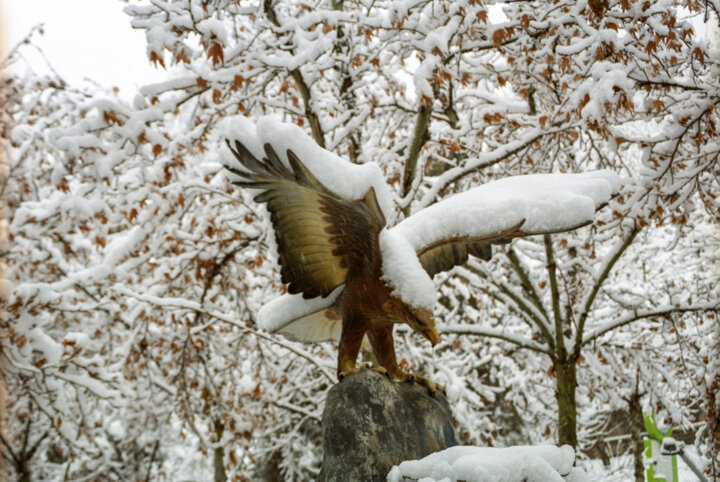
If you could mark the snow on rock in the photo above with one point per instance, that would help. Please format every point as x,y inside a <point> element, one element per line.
<point>544,463</point>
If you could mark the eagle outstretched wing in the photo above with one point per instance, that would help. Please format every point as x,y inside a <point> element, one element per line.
<point>450,252</point>
<point>448,232</point>
<point>321,237</point>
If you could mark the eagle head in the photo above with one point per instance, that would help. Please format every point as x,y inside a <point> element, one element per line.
<point>418,319</point>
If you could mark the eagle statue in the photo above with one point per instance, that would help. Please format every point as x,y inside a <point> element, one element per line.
<point>351,275</point>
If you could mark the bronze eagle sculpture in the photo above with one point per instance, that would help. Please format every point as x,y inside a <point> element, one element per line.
<point>338,253</point>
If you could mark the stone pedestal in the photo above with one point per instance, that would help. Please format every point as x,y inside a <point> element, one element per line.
<point>371,423</point>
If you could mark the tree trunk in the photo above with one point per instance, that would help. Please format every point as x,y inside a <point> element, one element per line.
<point>219,455</point>
<point>566,378</point>
<point>24,472</point>
<point>636,429</point>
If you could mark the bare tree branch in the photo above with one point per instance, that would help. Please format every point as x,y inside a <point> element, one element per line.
<point>604,273</point>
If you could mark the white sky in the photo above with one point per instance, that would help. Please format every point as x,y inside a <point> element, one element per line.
<point>83,39</point>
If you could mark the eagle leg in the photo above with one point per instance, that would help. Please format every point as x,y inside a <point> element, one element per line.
<point>350,342</point>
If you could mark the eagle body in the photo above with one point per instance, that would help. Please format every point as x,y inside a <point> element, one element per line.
<point>354,277</point>
<point>361,309</point>
<point>325,241</point>
<point>367,307</point>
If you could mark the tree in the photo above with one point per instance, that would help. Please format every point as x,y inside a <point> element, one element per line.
<point>137,239</point>
<point>99,357</point>
<point>582,119</point>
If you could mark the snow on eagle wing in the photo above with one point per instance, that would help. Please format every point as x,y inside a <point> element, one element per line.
<point>447,233</point>
<point>321,238</point>
<point>448,253</point>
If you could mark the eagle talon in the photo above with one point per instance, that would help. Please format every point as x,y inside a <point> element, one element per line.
<point>347,371</point>
<point>373,367</point>
<point>402,376</point>
<point>431,386</point>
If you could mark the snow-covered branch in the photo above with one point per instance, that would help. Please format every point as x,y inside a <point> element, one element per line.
<point>527,285</point>
<point>230,320</point>
<point>484,160</point>
<point>636,315</point>
<point>514,298</point>
<point>501,334</point>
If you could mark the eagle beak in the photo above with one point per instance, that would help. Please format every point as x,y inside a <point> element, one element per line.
<point>425,326</point>
<point>432,335</point>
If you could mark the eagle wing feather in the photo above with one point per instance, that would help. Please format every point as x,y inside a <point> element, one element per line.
<point>321,237</point>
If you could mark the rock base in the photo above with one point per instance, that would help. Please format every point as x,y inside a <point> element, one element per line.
<point>371,423</point>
